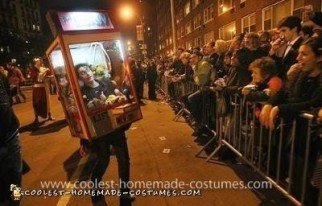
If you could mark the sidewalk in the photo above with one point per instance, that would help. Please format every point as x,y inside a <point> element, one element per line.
<point>52,155</point>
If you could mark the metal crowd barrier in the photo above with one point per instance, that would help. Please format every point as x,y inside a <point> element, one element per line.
<point>282,156</point>
<point>183,89</point>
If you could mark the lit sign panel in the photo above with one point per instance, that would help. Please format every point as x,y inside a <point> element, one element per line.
<point>74,21</point>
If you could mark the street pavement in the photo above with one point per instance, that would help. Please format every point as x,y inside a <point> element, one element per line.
<point>160,149</point>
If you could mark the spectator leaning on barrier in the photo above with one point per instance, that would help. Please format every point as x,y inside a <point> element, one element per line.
<point>307,92</point>
<point>252,47</point>
<point>265,81</point>
<point>306,95</point>
<point>221,48</point>
<point>202,70</point>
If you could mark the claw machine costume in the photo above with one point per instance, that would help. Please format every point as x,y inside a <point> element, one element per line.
<point>88,63</point>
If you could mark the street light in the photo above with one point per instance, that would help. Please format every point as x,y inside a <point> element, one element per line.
<point>127,13</point>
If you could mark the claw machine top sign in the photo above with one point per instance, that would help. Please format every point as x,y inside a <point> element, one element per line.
<point>91,73</point>
<point>72,21</point>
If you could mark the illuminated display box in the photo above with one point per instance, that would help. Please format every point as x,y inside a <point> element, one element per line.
<point>91,73</point>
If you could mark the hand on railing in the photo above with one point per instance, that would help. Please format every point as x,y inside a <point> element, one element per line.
<point>272,117</point>
<point>265,114</point>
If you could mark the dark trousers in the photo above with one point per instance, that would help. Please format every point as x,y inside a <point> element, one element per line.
<point>202,106</point>
<point>171,90</point>
<point>139,87</point>
<point>10,169</point>
<point>152,88</point>
<point>101,147</point>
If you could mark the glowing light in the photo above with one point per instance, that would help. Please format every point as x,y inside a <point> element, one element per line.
<point>127,13</point>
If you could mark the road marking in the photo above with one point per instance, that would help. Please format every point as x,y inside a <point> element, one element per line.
<point>63,200</point>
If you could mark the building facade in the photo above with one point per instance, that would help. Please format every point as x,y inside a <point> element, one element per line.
<point>20,23</point>
<point>200,21</point>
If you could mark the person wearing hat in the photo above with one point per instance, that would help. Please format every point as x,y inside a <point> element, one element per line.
<point>40,91</point>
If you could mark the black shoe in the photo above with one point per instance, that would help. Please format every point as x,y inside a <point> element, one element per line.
<point>126,200</point>
<point>25,167</point>
<point>98,200</point>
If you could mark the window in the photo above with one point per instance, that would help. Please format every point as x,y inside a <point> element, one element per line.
<point>273,14</point>
<point>188,27</point>
<point>178,33</point>
<point>208,37</point>
<point>208,13</point>
<point>188,45</point>
<point>187,8</point>
<point>224,6</point>
<point>249,23</point>
<point>195,3</point>
<point>179,16</point>
<point>197,21</point>
<point>228,31</point>
<point>298,8</point>
<point>242,3</point>
<point>182,31</point>
<point>198,42</point>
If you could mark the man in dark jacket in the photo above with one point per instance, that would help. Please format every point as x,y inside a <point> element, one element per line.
<point>289,28</point>
<point>10,154</point>
<point>151,75</point>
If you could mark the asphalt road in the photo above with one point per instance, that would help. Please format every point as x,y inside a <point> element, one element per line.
<point>53,155</point>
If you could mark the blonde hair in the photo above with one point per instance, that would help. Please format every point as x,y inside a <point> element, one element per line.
<point>185,55</point>
<point>221,46</point>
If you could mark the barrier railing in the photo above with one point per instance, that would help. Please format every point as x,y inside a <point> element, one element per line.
<point>273,152</point>
<point>284,156</point>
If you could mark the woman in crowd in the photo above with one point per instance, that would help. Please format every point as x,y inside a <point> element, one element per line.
<point>221,47</point>
<point>265,81</point>
<point>306,94</point>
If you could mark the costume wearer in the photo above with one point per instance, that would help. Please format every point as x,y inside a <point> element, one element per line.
<point>101,145</point>
<point>40,92</point>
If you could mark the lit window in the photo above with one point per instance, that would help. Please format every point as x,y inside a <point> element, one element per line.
<point>198,42</point>
<point>228,31</point>
<point>33,27</point>
<point>274,13</point>
<point>188,45</point>
<point>188,27</point>
<point>208,37</point>
<point>208,13</point>
<point>195,3</point>
<point>187,8</point>
<point>224,6</point>
<point>197,21</point>
<point>249,23</point>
